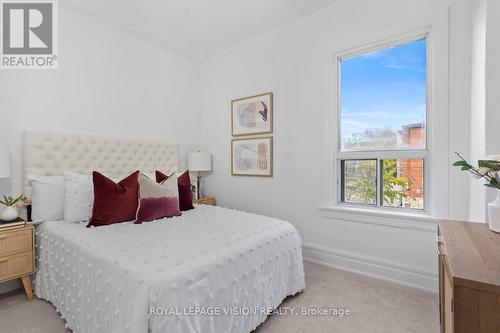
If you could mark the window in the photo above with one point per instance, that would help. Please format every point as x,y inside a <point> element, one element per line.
<point>382,117</point>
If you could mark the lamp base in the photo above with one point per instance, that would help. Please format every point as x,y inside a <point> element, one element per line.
<point>198,192</point>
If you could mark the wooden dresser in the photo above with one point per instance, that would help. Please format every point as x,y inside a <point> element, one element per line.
<point>17,255</point>
<point>469,278</point>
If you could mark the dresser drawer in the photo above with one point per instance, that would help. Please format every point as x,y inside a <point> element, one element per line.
<point>16,265</point>
<point>16,241</point>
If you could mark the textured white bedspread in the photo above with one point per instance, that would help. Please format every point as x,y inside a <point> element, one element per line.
<point>211,259</point>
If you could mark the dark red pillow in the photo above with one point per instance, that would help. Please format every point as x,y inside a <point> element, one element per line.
<point>184,184</point>
<point>114,203</point>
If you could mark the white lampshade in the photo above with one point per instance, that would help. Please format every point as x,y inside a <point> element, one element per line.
<point>4,160</point>
<point>200,161</point>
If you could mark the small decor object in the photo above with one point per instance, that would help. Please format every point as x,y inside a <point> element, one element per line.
<point>19,222</point>
<point>487,169</point>
<point>199,162</point>
<point>252,157</point>
<point>10,212</point>
<point>252,115</point>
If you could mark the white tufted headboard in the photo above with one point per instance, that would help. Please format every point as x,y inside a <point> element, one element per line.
<point>50,154</point>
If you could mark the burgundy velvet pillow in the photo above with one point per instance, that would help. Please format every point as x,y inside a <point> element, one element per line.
<point>114,203</point>
<point>184,184</point>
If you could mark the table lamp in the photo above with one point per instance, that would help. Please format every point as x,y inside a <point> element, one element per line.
<point>199,162</point>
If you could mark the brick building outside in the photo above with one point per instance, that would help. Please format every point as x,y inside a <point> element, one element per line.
<point>413,137</point>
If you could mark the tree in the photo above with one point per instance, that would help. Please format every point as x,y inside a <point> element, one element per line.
<point>396,189</point>
<point>360,182</point>
<point>379,138</point>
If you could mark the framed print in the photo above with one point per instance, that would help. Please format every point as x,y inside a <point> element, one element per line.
<point>252,115</point>
<point>252,157</point>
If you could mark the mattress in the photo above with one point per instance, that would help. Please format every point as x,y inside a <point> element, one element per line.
<point>210,270</point>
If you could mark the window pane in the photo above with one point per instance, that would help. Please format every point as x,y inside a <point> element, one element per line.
<point>383,99</point>
<point>359,181</point>
<point>403,183</point>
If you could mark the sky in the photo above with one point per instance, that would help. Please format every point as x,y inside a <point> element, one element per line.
<point>385,88</point>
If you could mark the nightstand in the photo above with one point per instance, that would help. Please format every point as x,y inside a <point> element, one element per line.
<point>205,201</point>
<point>17,255</point>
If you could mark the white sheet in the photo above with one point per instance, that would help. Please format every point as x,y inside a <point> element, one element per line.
<point>106,279</point>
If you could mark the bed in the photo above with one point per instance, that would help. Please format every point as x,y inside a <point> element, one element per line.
<point>212,269</point>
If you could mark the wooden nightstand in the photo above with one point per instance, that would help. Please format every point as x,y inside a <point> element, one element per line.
<point>205,201</point>
<point>17,255</point>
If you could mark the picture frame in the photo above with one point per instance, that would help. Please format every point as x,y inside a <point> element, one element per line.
<point>252,115</point>
<point>252,156</point>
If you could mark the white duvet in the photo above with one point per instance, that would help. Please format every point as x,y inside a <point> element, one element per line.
<point>210,270</point>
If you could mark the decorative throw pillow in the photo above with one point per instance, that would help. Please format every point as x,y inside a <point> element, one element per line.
<point>157,201</point>
<point>184,184</point>
<point>114,202</point>
<point>78,197</point>
<point>47,197</point>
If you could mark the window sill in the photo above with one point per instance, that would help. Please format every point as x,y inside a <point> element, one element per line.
<point>401,220</point>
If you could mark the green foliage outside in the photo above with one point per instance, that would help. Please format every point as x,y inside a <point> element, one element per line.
<point>372,138</point>
<point>395,188</point>
<point>361,186</point>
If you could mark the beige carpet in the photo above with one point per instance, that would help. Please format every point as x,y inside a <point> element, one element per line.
<point>375,306</point>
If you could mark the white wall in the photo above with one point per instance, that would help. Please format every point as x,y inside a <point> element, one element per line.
<point>459,102</point>
<point>492,104</point>
<point>109,82</point>
<point>493,78</point>
<point>296,63</point>
<point>485,99</point>
<point>477,202</point>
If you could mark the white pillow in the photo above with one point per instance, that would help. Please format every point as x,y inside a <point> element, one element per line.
<point>78,197</point>
<point>149,175</point>
<point>47,198</point>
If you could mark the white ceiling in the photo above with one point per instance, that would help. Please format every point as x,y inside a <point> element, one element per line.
<point>199,28</point>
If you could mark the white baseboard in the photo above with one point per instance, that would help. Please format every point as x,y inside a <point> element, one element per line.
<point>374,267</point>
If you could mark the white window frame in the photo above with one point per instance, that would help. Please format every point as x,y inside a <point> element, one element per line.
<point>378,155</point>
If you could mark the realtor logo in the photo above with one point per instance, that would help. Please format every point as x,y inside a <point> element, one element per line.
<point>28,34</point>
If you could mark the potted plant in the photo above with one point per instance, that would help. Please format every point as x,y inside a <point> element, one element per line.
<point>488,170</point>
<point>10,213</point>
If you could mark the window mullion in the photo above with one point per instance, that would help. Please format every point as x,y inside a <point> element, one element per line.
<point>380,180</point>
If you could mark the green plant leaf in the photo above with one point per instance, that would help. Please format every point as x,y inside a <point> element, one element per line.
<point>460,163</point>
<point>16,200</point>
<point>466,167</point>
